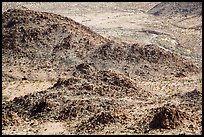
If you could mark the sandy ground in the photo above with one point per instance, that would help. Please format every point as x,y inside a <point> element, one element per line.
<point>21,88</point>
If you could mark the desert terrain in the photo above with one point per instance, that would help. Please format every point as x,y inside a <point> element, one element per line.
<point>101,68</point>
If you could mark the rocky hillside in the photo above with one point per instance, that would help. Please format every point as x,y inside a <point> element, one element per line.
<point>177,8</point>
<point>37,43</point>
<point>96,88</point>
<point>44,41</point>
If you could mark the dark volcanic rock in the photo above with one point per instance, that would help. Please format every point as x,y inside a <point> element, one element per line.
<point>96,122</point>
<point>168,117</point>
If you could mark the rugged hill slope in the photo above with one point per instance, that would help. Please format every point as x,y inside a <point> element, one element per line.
<point>96,80</point>
<point>177,8</point>
<point>36,39</point>
<point>45,42</point>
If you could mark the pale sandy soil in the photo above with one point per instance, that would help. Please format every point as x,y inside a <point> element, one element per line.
<point>21,88</point>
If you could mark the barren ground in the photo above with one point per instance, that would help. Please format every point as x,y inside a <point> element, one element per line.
<point>122,22</point>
